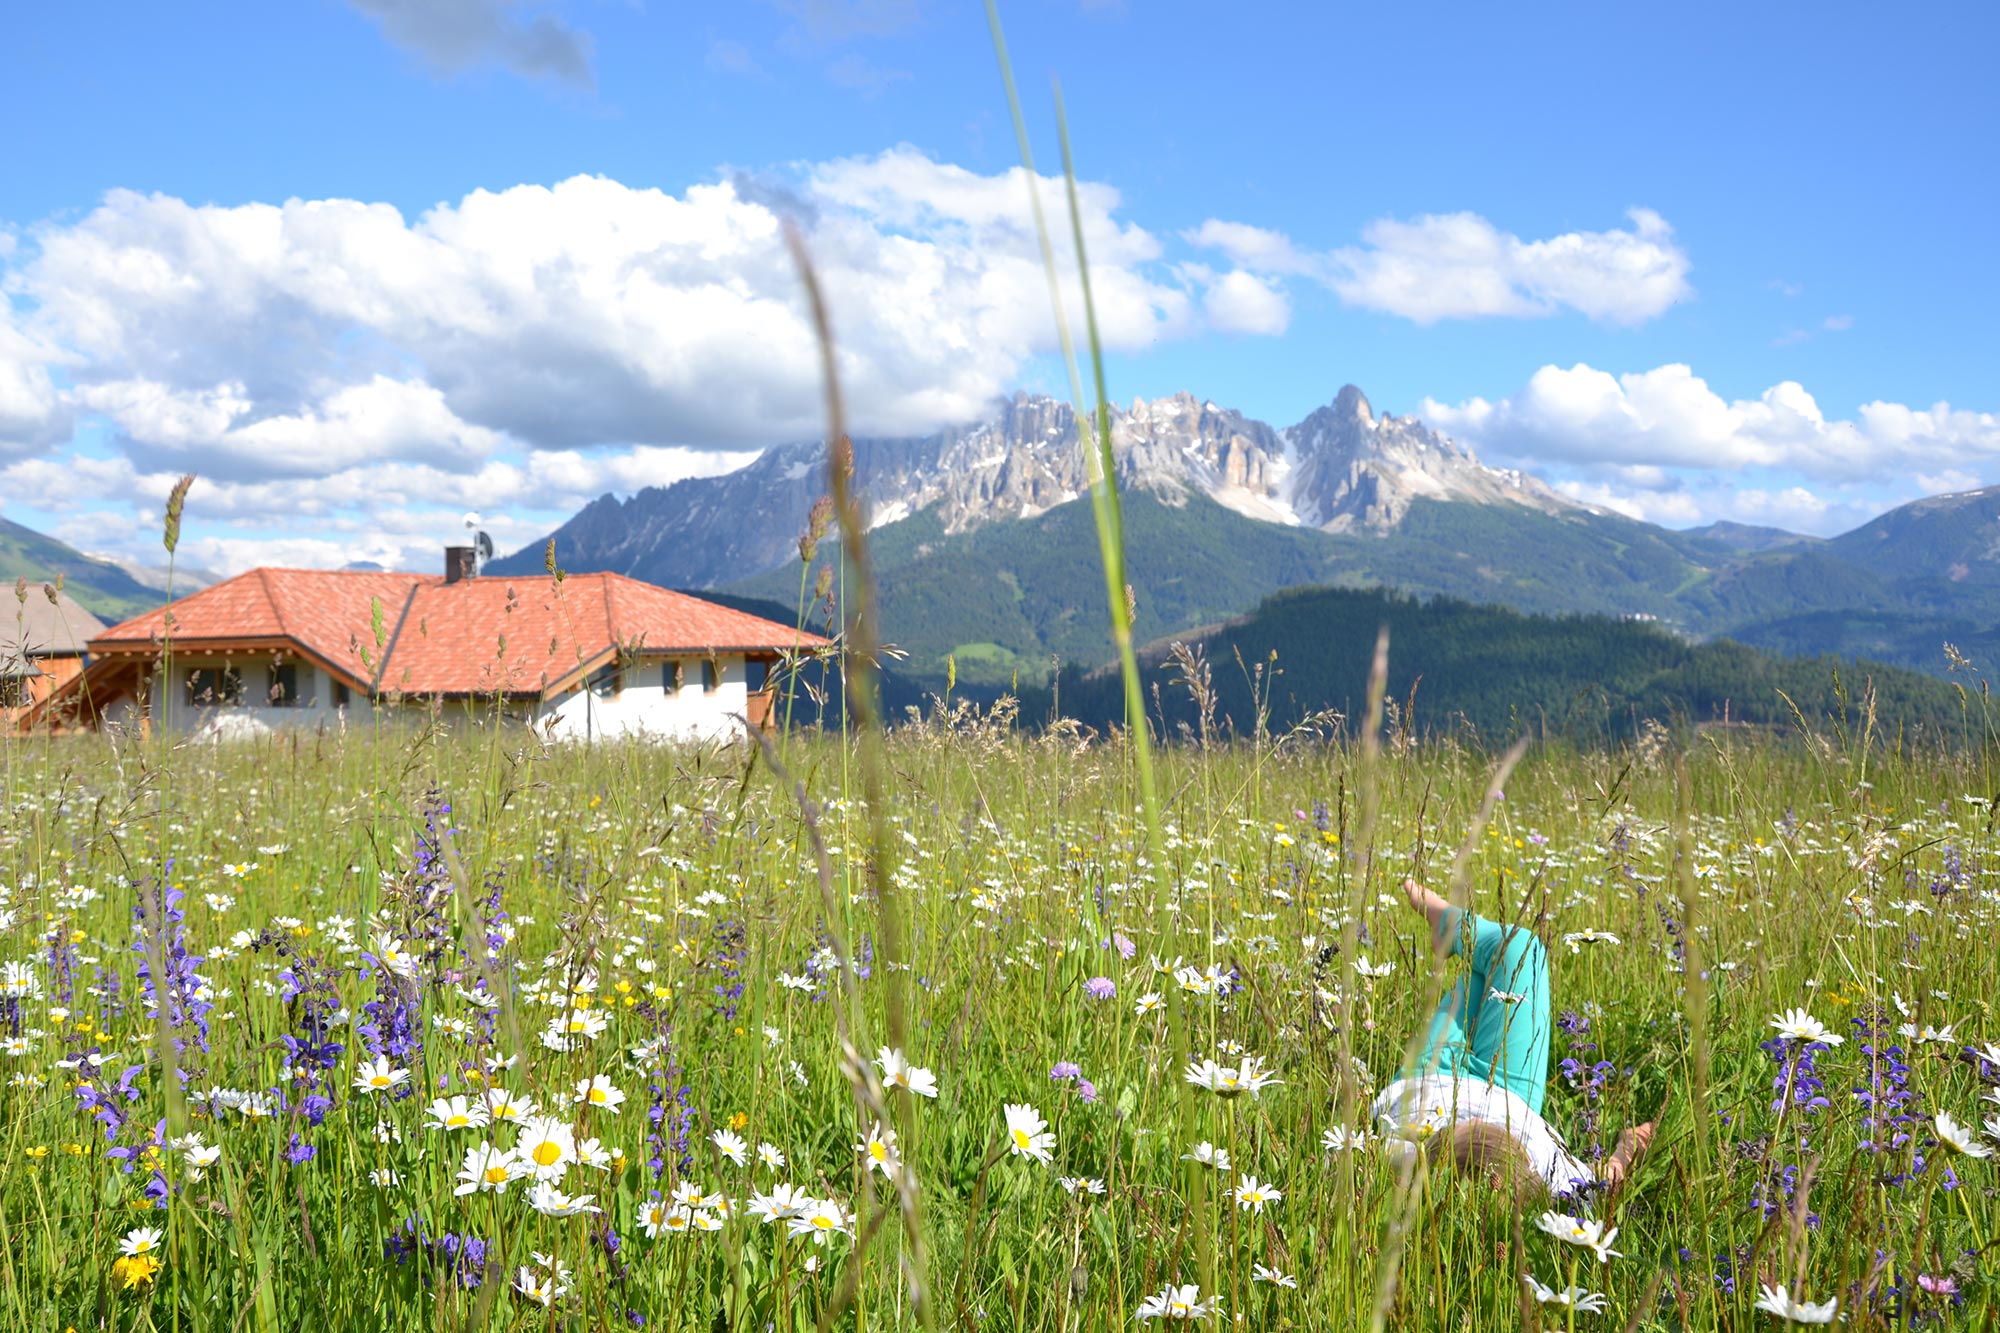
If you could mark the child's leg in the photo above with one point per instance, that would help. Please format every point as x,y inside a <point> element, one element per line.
<point>1445,1046</point>
<point>1505,1041</point>
<point>1510,1023</point>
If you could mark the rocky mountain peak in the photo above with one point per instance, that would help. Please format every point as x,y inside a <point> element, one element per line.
<point>1355,471</point>
<point>1352,405</point>
<point>1343,468</point>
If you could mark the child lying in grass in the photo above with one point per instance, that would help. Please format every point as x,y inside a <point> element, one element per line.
<point>1484,1072</point>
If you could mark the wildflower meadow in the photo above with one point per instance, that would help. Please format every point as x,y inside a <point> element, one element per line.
<point>444,1028</point>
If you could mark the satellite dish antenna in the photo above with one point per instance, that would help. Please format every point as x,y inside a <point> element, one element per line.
<point>482,545</point>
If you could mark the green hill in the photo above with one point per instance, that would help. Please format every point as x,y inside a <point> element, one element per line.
<point>1007,597</point>
<point>1503,673</point>
<point>100,586</point>
<point>1539,562</point>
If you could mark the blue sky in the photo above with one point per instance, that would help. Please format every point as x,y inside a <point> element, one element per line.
<point>1726,261</point>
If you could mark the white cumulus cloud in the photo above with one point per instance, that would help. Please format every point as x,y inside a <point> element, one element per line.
<point>33,414</point>
<point>378,419</point>
<point>1670,417</point>
<point>258,338</point>
<point>1242,302</point>
<point>1257,248</point>
<point>1461,266</point>
<point>1702,499</point>
<point>395,513</point>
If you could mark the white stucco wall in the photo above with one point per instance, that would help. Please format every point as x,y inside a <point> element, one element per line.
<point>646,706</point>
<point>254,716</point>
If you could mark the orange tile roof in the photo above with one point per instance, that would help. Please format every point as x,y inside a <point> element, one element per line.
<point>476,636</point>
<point>324,614</point>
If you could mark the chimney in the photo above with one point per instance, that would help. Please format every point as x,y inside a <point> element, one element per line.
<point>459,563</point>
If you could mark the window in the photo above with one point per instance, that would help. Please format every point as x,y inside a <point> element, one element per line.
<point>672,676</point>
<point>340,695</point>
<point>710,677</point>
<point>756,674</point>
<point>607,683</point>
<point>284,685</point>
<point>210,686</point>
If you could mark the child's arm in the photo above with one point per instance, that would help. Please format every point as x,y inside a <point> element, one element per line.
<point>1431,907</point>
<point>1632,1145</point>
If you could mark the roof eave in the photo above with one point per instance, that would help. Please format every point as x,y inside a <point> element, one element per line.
<point>128,648</point>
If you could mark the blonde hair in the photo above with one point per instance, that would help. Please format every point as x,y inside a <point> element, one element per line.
<point>1485,1152</point>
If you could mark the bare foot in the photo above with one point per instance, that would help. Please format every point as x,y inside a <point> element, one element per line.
<point>1640,1138</point>
<point>1632,1145</point>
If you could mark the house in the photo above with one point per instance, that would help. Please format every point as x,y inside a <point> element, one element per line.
<point>590,655</point>
<point>41,647</point>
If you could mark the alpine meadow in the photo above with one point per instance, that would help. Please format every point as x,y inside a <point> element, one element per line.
<point>430,1029</point>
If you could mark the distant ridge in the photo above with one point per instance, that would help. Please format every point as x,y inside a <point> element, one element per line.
<point>1748,537</point>
<point>108,590</point>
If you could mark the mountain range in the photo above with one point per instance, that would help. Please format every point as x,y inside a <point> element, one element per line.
<point>111,590</point>
<point>985,551</point>
<point>1341,470</point>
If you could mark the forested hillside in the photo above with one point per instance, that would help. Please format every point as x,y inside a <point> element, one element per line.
<point>1503,673</point>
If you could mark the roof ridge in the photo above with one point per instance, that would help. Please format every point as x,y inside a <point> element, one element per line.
<point>277,610</point>
<point>388,649</point>
<point>613,622</point>
<point>326,573</point>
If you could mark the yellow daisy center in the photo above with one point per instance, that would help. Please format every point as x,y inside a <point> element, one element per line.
<point>457,1121</point>
<point>546,1153</point>
<point>1022,1141</point>
<point>495,1174</point>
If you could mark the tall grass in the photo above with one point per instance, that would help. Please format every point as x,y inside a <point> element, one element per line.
<point>671,891</point>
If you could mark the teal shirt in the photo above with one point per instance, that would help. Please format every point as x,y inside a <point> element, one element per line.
<point>1478,1034</point>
